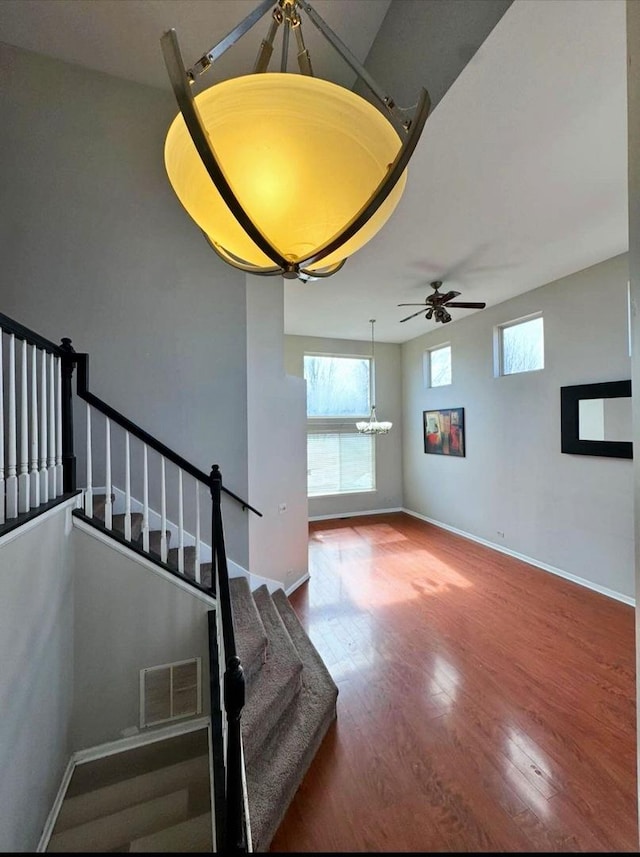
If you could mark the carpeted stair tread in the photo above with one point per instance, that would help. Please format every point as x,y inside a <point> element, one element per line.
<point>275,685</point>
<point>191,835</point>
<point>112,831</point>
<point>251,637</point>
<point>99,501</point>
<point>114,797</point>
<point>274,776</point>
<point>117,523</point>
<point>154,541</point>
<point>189,560</point>
<point>205,573</point>
<point>314,666</point>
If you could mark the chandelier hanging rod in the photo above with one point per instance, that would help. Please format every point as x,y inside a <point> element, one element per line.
<point>290,17</point>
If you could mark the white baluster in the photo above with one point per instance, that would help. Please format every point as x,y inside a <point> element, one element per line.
<point>35,475</point>
<point>127,487</point>
<point>88,494</point>
<point>44,479</point>
<point>163,532</point>
<point>12,479</point>
<point>197,531</point>
<point>180,524</point>
<point>145,510</point>
<point>59,475</point>
<point>23,466</point>
<point>51,459</point>
<point>108,506</point>
<point>2,486</point>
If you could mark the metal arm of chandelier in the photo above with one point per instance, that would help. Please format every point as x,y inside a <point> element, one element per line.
<point>183,79</point>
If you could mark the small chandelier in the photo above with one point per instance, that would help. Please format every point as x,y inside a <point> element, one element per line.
<point>286,174</point>
<point>372,426</point>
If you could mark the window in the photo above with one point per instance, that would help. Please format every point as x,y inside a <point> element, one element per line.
<point>520,346</point>
<point>340,460</point>
<point>438,366</point>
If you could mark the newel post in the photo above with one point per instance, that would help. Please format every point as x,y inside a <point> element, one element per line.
<point>68,456</point>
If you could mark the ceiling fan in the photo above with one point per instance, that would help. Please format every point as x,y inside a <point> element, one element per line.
<point>436,305</point>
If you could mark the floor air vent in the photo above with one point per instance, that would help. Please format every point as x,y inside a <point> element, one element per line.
<point>170,692</point>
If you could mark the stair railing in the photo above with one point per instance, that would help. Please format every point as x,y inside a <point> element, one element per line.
<point>35,425</point>
<point>37,447</point>
<point>235,836</point>
<point>232,820</point>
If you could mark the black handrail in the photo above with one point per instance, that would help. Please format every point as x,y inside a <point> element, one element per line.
<point>81,360</point>
<point>33,338</point>
<point>234,834</point>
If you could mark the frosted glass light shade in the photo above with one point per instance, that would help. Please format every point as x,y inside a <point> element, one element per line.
<point>302,156</point>
<point>374,426</point>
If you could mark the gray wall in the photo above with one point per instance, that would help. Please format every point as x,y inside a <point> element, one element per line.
<point>95,246</point>
<point>427,43</point>
<point>276,407</point>
<point>388,400</point>
<point>36,676</point>
<point>571,512</point>
<point>126,618</point>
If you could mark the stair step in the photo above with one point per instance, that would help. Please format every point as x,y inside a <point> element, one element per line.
<point>117,829</point>
<point>275,685</point>
<point>274,776</point>
<point>206,569</point>
<point>189,560</point>
<point>154,541</point>
<point>137,518</point>
<point>251,637</point>
<point>99,501</point>
<point>107,800</point>
<point>191,835</point>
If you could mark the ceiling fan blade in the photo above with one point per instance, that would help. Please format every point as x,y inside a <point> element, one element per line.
<point>424,305</point>
<point>420,311</point>
<point>448,296</point>
<point>466,305</point>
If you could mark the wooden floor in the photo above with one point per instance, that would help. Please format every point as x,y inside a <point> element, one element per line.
<point>484,704</point>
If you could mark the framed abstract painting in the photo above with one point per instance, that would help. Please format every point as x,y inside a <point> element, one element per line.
<point>444,431</point>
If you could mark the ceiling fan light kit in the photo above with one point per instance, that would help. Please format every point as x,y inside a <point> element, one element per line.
<point>436,305</point>
<point>286,174</point>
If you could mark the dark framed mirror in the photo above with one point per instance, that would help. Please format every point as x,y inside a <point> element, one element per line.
<point>595,419</point>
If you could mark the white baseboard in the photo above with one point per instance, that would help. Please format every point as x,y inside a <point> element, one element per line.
<point>339,515</point>
<point>581,581</point>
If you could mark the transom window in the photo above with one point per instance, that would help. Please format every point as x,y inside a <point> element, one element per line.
<point>437,366</point>
<point>520,346</point>
<point>340,460</point>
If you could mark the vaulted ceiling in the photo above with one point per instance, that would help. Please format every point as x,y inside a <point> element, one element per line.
<point>519,178</point>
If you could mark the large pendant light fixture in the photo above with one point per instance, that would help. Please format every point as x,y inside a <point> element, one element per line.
<point>373,426</point>
<point>286,173</point>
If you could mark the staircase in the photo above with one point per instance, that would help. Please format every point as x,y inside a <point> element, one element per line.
<point>290,695</point>
<point>290,703</point>
<point>272,698</point>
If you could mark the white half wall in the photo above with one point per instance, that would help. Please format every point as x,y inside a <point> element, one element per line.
<point>36,673</point>
<point>388,400</point>
<point>276,421</point>
<point>515,488</point>
<point>128,616</point>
